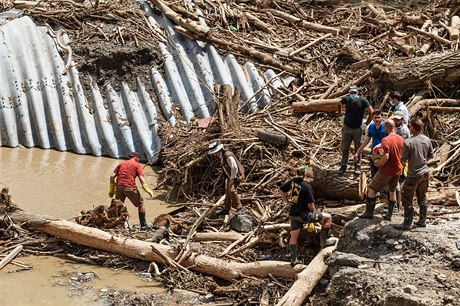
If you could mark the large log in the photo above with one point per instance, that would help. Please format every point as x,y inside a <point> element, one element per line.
<point>420,105</point>
<point>313,106</point>
<point>330,184</point>
<point>138,249</point>
<point>307,279</point>
<point>422,72</point>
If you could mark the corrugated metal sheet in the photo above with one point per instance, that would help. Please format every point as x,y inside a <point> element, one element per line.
<point>41,106</point>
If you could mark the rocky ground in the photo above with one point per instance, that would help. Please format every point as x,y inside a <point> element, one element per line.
<point>417,267</point>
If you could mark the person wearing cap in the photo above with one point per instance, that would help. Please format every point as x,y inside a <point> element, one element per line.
<point>375,132</point>
<point>400,127</point>
<point>390,168</point>
<point>353,125</point>
<point>417,151</point>
<point>123,185</point>
<point>234,171</point>
<point>302,210</point>
<point>399,106</point>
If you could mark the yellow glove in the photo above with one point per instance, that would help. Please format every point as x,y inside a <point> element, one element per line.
<point>311,228</point>
<point>111,190</point>
<point>147,189</point>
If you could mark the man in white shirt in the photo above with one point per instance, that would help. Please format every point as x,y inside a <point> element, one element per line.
<point>395,100</point>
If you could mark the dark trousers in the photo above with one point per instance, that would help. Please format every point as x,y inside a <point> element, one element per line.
<point>349,135</point>
<point>232,199</point>
<point>415,186</point>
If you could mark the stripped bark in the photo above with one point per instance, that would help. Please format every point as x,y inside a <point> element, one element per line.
<point>307,279</point>
<point>138,249</point>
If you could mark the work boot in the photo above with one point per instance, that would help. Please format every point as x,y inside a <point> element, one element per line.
<point>324,239</point>
<point>422,218</point>
<point>370,206</point>
<point>408,218</point>
<point>391,206</point>
<point>293,251</point>
<point>342,169</point>
<point>144,225</point>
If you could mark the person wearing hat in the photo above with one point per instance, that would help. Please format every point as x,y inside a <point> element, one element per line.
<point>399,106</point>
<point>400,127</point>
<point>234,171</point>
<point>302,210</point>
<point>123,185</point>
<point>353,125</point>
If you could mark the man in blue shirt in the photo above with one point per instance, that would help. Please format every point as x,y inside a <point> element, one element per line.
<point>375,132</point>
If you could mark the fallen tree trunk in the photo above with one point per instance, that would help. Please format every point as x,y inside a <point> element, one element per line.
<point>138,249</point>
<point>330,184</point>
<point>415,108</point>
<point>313,106</point>
<point>446,197</point>
<point>307,279</point>
<point>410,75</point>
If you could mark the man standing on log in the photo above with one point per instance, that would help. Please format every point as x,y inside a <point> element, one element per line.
<point>353,125</point>
<point>417,151</point>
<point>302,210</point>
<point>375,132</point>
<point>124,178</point>
<point>234,171</point>
<point>395,101</point>
<point>390,168</point>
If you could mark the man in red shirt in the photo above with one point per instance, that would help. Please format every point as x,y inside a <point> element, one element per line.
<point>390,168</point>
<point>123,177</point>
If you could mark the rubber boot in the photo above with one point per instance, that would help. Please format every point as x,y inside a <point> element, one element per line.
<point>408,218</point>
<point>144,225</point>
<point>398,200</point>
<point>422,218</point>
<point>323,238</point>
<point>370,206</point>
<point>391,206</point>
<point>293,251</point>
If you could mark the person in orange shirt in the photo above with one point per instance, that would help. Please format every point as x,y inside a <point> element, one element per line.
<point>123,185</point>
<point>390,168</point>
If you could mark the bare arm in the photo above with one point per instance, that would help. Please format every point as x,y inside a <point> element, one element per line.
<point>370,111</point>
<point>284,197</point>
<point>142,179</point>
<point>113,177</point>
<point>311,206</point>
<point>363,145</point>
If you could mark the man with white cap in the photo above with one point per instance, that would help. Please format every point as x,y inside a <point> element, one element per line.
<point>234,171</point>
<point>400,127</point>
<point>353,125</point>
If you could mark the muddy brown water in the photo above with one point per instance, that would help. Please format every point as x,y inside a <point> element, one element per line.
<point>62,184</point>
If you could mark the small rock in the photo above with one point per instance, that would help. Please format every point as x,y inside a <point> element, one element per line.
<point>398,247</point>
<point>391,242</point>
<point>441,277</point>
<point>410,289</point>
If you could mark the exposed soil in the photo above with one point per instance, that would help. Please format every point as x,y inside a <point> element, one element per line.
<point>107,63</point>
